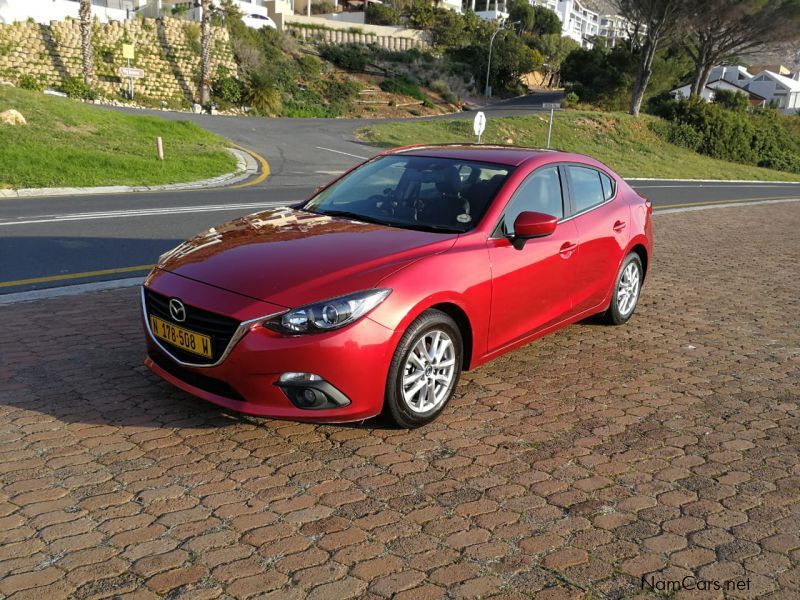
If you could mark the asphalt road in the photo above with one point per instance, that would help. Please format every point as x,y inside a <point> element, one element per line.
<point>47,242</point>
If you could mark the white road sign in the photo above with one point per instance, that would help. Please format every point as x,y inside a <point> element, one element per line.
<point>551,105</point>
<point>479,124</point>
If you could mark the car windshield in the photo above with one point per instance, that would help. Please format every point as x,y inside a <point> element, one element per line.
<point>414,192</point>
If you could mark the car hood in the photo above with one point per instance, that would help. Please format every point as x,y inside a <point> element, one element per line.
<point>290,258</point>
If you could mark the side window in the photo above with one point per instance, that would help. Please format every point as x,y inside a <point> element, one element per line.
<point>608,186</point>
<point>586,188</point>
<point>540,192</point>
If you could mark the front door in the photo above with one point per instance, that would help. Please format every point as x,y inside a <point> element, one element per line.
<point>531,287</point>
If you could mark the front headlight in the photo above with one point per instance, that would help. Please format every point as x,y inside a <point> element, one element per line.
<point>328,315</point>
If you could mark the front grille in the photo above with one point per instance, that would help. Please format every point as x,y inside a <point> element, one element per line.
<point>203,382</point>
<point>221,329</point>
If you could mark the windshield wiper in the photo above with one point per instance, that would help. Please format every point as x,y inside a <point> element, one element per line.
<point>346,214</point>
<point>434,228</point>
<point>402,225</point>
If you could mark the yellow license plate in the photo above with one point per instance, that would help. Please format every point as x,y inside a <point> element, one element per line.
<point>180,337</point>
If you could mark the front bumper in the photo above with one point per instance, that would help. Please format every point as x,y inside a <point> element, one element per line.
<point>354,360</point>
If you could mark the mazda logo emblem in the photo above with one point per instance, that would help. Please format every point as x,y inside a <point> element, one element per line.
<point>177,310</point>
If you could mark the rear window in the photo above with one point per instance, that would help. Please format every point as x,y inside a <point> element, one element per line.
<point>587,189</point>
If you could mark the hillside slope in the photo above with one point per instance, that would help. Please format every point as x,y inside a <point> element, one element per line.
<point>624,143</point>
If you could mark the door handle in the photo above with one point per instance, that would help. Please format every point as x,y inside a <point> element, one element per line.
<point>566,249</point>
<point>619,226</point>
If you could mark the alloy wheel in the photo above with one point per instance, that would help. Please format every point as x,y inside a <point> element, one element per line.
<point>628,289</point>
<point>428,372</point>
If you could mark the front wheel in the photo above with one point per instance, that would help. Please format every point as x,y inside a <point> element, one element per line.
<point>627,287</point>
<point>424,370</point>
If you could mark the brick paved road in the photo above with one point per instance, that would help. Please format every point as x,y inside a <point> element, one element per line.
<point>572,466</point>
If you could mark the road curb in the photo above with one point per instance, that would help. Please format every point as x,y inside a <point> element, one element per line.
<point>246,167</point>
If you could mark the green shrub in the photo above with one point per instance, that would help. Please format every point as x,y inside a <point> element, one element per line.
<point>74,87</point>
<point>570,100</point>
<point>29,82</point>
<point>381,14</point>
<point>403,85</point>
<point>226,87</point>
<point>322,8</point>
<point>441,88</point>
<point>192,33</point>
<point>758,137</point>
<point>350,57</point>
<point>310,66</point>
<point>341,91</point>
<point>679,134</point>
<point>732,100</point>
<point>263,94</point>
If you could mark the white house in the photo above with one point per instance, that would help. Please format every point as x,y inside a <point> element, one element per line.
<point>577,21</point>
<point>732,73</point>
<point>44,11</point>
<point>781,91</point>
<point>709,91</point>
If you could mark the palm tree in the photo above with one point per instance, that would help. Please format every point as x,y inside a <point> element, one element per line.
<point>205,53</point>
<point>87,51</point>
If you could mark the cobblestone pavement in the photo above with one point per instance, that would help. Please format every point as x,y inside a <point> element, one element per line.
<point>570,467</point>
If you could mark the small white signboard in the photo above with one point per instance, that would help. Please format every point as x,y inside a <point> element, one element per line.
<point>131,72</point>
<point>479,124</point>
<point>551,105</point>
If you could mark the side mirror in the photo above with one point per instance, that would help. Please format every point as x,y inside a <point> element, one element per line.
<point>530,225</point>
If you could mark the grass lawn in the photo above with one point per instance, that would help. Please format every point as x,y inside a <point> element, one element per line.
<point>68,143</point>
<point>625,144</point>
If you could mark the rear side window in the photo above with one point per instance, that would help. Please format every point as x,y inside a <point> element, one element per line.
<point>540,192</point>
<point>586,187</point>
<point>608,186</point>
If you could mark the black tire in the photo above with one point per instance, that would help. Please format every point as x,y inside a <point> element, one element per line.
<point>395,404</point>
<point>614,315</point>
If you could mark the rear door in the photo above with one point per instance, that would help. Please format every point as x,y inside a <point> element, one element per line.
<point>602,219</point>
<point>532,287</point>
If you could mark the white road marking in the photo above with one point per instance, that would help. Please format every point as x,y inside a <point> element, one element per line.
<point>345,153</point>
<point>142,212</point>
<point>711,185</point>
<point>667,211</point>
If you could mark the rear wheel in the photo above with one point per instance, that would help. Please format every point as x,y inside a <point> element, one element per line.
<point>627,287</point>
<point>425,370</point>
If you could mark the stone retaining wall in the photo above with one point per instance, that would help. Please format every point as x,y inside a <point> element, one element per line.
<point>168,50</point>
<point>334,36</point>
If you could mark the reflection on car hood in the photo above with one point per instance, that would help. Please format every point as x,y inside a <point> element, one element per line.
<point>291,257</point>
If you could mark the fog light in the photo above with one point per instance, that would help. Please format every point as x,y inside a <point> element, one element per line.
<point>310,391</point>
<point>292,377</point>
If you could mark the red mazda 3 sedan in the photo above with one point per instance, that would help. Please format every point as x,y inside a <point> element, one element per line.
<point>380,289</point>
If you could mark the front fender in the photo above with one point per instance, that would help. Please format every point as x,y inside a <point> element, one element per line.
<point>460,277</point>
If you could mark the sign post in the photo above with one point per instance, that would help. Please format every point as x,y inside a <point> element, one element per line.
<point>128,54</point>
<point>479,124</point>
<point>552,106</point>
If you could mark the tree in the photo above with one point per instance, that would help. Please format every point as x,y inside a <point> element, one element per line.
<point>720,30</point>
<point>546,22</point>
<point>654,20</point>
<point>554,49</point>
<point>87,50</point>
<point>731,100</point>
<point>522,14</point>
<point>421,14</point>
<point>205,53</point>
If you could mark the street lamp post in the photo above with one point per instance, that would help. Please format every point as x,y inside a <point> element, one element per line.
<point>487,89</point>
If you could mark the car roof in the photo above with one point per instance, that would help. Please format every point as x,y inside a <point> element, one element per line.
<point>503,155</point>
